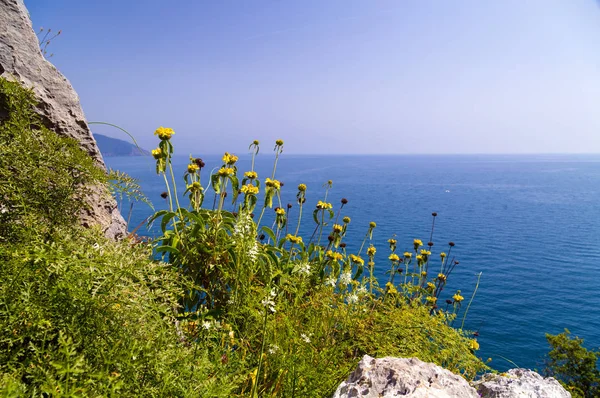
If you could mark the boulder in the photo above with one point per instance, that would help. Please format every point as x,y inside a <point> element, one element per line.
<point>521,383</point>
<point>21,59</point>
<point>403,377</point>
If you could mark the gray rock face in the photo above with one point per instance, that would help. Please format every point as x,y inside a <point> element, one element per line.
<point>59,107</point>
<point>403,377</point>
<point>521,383</point>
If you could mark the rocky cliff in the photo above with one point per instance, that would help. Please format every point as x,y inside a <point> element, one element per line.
<point>59,107</point>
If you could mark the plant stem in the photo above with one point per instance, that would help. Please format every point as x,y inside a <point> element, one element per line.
<point>470,301</point>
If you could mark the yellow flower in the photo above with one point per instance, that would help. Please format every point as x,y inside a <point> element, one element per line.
<point>337,228</point>
<point>442,277</point>
<point>249,189</point>
<point>192,168</point>
<point>457,297</point>
<point>272,183</point>
<point>372,225</point>
<point>255,142</point>
<point>251,174</point>
<point>443,255</point>
<point>357,259</point>
<point>474,345</point>
<point>279,142</point>
<point>394,257</point>
<point>391,289</point>
<point>324,205</point>
<point>425,253</point>
<point>164,133</point>
<point>423,274</point>
<point>371,251</point>
<point>371,264</point>
<point>225,171</point>
<point>407,254</point>
<point>430,285</point>
<point>294,238</point>
<point>346,220</point>
<point>335,256</point>
<point>157,153</point>
<point>229,158</point>
<point>418,243</point>
<point>431,299</point>
<point>195,187</point>
<point>280,211</point>
<point>419,258</point>
<point>302,187</point>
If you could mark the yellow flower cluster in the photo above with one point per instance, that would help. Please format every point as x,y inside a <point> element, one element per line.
<point>391,289</point>
<point>192,168</point>
<point>272,183</point>
<point>229,158</point>
<point>293,238</point>
<point>337,228</point>
<point>225,171</point>
<point>249,189</point>
<point>430,285</point>
<point>394,257</point>
<point>164,133</point>
<point>357,259</point>
<point>371,251</point>
<point>280,211</point>
<point>431,300</point>
<point>157,153</point>
<point>324,205</point>
<point>474,345</point>
<point>457,298</point>
<point>251,175</point>
<point>335,256</point>
<point>302,187</point>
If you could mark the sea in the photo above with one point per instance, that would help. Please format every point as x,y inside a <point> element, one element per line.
<point>529,225</point>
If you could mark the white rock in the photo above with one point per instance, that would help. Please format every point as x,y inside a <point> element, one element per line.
<point>59,107</point>
<point>519,383</point>
<point>403,377</point>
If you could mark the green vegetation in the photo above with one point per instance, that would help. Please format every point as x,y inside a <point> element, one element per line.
<point>232,308</point>
<point>573,365</point>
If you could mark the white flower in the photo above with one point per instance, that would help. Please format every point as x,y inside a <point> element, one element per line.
<point>253,252</point>
<point>305,337</point>
<point>273,348</point>
<point>269,302</point>
<point>361,290</point>
<point>304,269</point>
<point>345,278</point>
<point>330,281</point>
<point>352,298</point>
<point>206,325</point>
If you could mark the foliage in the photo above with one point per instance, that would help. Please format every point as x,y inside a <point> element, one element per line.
<point>43,177</point>
<point>573,365</point>
<point>297,314</point>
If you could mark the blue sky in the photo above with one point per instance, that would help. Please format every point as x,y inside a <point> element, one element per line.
<point>339,76</point>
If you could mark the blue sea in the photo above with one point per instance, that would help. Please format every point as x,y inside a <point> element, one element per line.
<point>530,224</point>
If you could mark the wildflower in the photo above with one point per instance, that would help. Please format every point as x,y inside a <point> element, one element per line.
<point>157,153</point>
<point>164,195</point>
<point>361,290</point>
<point>251,175</point>
<point>451,244</point>
<point>303,336</point>
<point>474,345</point>
<point>344,201</point>
<point>430,299</point>
<point>430,285</point>
<point>273,348</point>
<point>206,325</point>
<point>443,255</point>
<point>343,245</point>
<point>293,238</point>
<point>324,205</point>
<point>371,251</point>
<point>302,187</point>
<point>280,211</point>
<point>394,257</point>
<point>253,252</point>
<point>304,269</point>
<point>272,183</point>
<point>417,243</point>
<point>457,297</point>
<point>269,301</point>
<point>352,298</point>
<point>192,168</point>
<point>225,171</point>
<point>345,278</point>
<point>442,277</point>
<point>357,259</point>
<point>391,289</point>
<point>335,256</point>
<point>331,238</point>
<point>371,264</point>
<point>199,162</point>
<point>346,220</point>
<point>330,281</point>
<point>337,228</point>
<point>419,258</point>
<point>255,142</point>
<point>407,254</point>
<point>429,244</point>
<point>425,253</point>
<point>229,158</point>
<point>423,274</point>
<point>249,189</point>
<point>279,142</point>
<point>195,187</point>
<point>372,224</point>
<point>164,133</point>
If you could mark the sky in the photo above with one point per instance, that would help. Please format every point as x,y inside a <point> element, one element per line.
<point>336,76</point>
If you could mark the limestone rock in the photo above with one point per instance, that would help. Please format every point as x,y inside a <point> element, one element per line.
<point>403,377</point>
<point>59,107</point>
<point>521,383</point>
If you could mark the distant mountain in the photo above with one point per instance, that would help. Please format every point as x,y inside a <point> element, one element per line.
<point>115,147</point>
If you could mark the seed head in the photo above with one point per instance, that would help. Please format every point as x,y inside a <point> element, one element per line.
<point>164,195</point>
<point>344,201</point>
